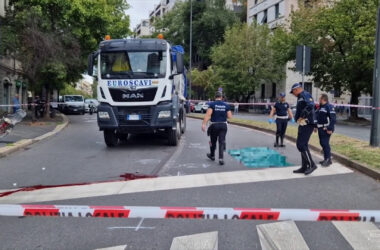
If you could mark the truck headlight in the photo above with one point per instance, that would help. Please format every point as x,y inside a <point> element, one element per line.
<point>164,114</point>
<point>103,115</point>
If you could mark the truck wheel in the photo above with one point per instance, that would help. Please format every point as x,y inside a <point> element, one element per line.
<point>110,138</point>
<point>183,123</point>
<point>174,135</point>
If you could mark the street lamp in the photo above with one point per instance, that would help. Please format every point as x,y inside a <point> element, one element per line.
<point>191,46</point>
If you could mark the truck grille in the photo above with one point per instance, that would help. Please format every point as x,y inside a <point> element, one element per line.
<point>139,95</point>
<point>144,113</point>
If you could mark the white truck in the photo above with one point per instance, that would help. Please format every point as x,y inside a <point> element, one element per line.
<point>141,88</point>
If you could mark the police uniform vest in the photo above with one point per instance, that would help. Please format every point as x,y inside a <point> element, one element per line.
<point>282,110</point>
<point>219,111</point>
<point>326,116</point>
<point>306,108</point>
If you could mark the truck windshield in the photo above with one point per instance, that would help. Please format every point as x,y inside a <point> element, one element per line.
<point>146,64</point>
<point>73,98</point>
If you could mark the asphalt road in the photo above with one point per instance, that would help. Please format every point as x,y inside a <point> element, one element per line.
<point>358,132</point>
<point>78,155</point>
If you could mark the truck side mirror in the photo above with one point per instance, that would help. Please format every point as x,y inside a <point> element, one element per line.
<point>90,69</point>
<point>179,63</point>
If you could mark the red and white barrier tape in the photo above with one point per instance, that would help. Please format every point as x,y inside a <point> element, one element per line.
<point>272,103</point>
<point>190,213</point>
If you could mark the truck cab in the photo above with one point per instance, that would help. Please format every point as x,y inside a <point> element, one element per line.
<point>141,88</point>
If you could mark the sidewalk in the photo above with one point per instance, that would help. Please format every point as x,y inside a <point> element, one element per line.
<point>342,127</point>
<point>29,130</point>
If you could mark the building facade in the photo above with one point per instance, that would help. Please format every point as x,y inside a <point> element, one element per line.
<point>274,13</point>
<point>144,28</point>
<point>11,79</point>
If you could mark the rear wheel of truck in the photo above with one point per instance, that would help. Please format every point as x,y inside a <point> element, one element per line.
<point>110,137</point>
<point>174,135</point>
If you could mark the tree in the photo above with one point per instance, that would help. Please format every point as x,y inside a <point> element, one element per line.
<point>52,38</point>
<point>210,20</point>
<point>204,83</point>
<point>245,60</point>
<point>342,41</point>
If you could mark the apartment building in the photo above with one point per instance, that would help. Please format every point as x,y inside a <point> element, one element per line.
<point>11,75</point>
<point>143,28</point>
<point>274,13</point>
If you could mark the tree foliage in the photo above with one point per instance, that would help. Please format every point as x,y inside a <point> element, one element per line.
<point>342,40</point>
<point>204,83</point>
<point>52,38</point>
<point>210,20</point>
<point>245,60</point>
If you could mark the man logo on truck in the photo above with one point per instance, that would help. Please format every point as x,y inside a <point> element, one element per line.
<point>133,96</point>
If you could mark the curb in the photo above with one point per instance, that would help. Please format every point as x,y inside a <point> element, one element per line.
<point>7,150</point>
<point>338,157</point>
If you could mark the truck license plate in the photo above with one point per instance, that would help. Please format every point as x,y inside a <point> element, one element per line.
<point>133,117</point>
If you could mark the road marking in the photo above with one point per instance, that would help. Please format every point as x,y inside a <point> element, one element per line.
<point>360,235</point>
<point>137,228</point>
<point>281,235</point>
<point>202,241</point>
<point>139,225</point>
<point>166,183</point>
<point>122,247</point>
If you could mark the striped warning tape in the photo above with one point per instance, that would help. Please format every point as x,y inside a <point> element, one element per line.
<point>190,213</point>
<point>272,103</point>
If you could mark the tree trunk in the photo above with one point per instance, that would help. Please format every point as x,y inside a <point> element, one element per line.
<point>47,110</point>
<point>355,101</point>
<point>33,106</point>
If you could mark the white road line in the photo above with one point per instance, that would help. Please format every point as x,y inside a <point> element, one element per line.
<point>167,183</point>
<point>139,225</point>
<point>281,235</point>
<point>360,235</point>
<point>202,241</point>
<point>122,247</point>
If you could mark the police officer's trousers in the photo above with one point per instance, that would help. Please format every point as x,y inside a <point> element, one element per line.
<point>324,140</point>
<point>303,137</point>
<point>282,124</point>
<point>218,133</point>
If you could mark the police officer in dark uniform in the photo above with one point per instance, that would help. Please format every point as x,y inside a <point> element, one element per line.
<point>218,112</point>
<point>305,117</point>
<point>326,119</point>
<point>283,113</point>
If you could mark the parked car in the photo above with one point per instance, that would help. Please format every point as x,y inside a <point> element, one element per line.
<point>92,102</point>
<point>192,107</point>
<point>72,104</point>
<point>201,107</point>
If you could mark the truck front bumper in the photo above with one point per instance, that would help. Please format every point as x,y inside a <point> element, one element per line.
<point>147,118</point>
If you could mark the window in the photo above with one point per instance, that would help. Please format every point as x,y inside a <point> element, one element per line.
<point>265,17</point>
<point>274,90</point>
<point>133,65</point>
<point>262,91</point>
<point>167,1</point>
<point>255,18</point>
<point>308,86</point>
<point>277,11</point>
<point>256,2</point>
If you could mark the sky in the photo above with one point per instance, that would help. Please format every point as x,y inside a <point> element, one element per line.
<point>139,9</point>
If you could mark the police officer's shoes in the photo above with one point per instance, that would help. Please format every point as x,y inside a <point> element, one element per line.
<point>211,157</point>
<point>326,163</point>
<point>311,169</point>
<point>221,162</point>
<point>300,170</point>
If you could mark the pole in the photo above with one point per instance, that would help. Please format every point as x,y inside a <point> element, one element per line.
<point>191,46</point>
<point>375,129</point>
<point>303,65</point>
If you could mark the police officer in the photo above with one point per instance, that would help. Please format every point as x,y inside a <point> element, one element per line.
<point>218,112</point>
<point>305,117</point>
<point>326,119</point>
<point>283,113</point>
